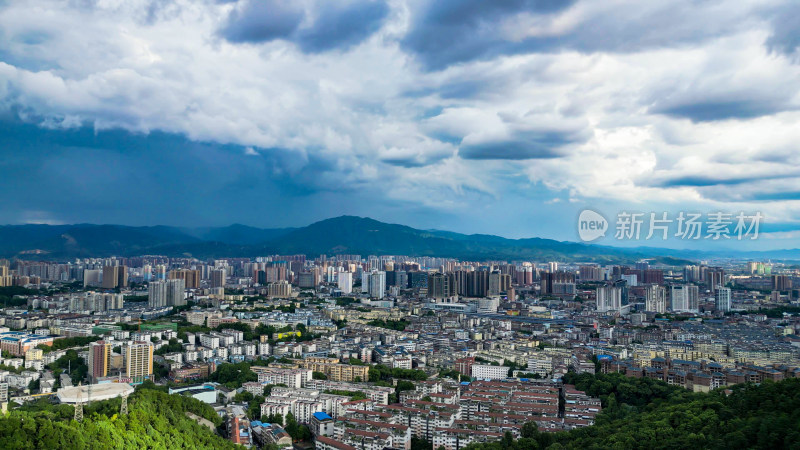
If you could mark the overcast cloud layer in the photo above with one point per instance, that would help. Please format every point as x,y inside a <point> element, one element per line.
<point>502,117</point>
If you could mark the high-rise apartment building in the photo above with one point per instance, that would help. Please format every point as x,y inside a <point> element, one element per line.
<point>175,292</point>
<point>715,277</point>
<point>306,280</point>
<point>157,294</point>
<point>139,361</point>
<point>609,298</point>
<point>722,298</point>
<point>115,276</point>
<point>590,272</point>
<point>218,278</point>
<point>441,285</point>
<point>122,276</point>
<point>191,278</point>
<point>147,272</point>
<point>685,298</point>
<point>652,276</point>
<point>279,289</point>
<point>344,280</point>
<point>5,278</point>
<point>549,279</point>
<point>110,277</point>
<point>655,299</point>
<point>161,272</point>
<point>524,274</point>
<point>781,283</point>
<point>99,359</point>
<point>498,282</point>
<point>377,284</point>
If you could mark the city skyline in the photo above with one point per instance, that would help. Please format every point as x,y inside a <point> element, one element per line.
<point>399,224</point>
<point>504,118</point>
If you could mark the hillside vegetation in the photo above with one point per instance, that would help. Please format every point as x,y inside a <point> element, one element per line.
<point>647,414</point>
<point>156,420</point>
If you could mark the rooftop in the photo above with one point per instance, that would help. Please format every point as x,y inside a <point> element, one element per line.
<point>102,391</point>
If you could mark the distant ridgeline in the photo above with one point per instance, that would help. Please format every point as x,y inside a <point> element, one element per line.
<point>340,235</point>
<point>155,420</point>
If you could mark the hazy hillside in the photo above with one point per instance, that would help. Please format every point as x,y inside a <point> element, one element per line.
<point>340,235</point>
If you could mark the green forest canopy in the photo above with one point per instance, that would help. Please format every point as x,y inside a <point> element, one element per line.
<point>638,413</point>
<point>156,420</point>
<point>648,414</point>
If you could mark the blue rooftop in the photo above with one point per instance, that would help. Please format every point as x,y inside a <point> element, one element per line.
<point>322,416</point>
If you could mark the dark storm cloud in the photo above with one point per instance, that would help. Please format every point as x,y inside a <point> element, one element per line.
<point>711,180</point>
<point>447,32</point>
<point>703,181</point>
<point>711,110</point>
<point>118,177</point>
<point>332,25</point>
<point>774,196</point>
<point>405,162</point>
<point>522,145</point>
<point>342,25</point>
<point>443,32</point>
<point>785,37</point>
<point>265,20</point>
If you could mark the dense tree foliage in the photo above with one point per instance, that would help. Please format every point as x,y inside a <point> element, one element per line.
<point>297,431</point>
<point>60,344</point>
<point>420,444</point>
<point>632,392</point>
<point>647,414</point>
<point>345,301</point>
<point>7,294</point>
<point>773,313</point>
<point>234,375</point>
<point>268,388</point>
<point>354,395</point>
<point>398,325</point>
<point>172,346</point>
<point>70,362</point>
<point>156,420</point>
<point>453,374</point>
<point>403,385</point>
<point>272,418</point>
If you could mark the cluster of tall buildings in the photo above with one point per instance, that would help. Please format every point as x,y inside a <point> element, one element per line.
<point>374,284</point>
<point>115,277</point>
<point>191,277</point>
<point>5,278</point>
<point>96,301</point>
<point>135,362</point>
<point>162,293</point>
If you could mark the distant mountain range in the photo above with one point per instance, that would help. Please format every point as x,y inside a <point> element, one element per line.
<point>340,235</point>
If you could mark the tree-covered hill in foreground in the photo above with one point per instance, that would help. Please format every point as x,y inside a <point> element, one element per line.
<point>156,421</point>
<point>646,414</point>
<point>638,413</point>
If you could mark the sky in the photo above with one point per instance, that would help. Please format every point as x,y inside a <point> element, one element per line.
<point>506,117</point>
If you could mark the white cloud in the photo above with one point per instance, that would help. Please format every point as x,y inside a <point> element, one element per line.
<point>711,120</point>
